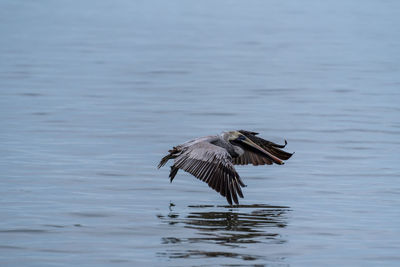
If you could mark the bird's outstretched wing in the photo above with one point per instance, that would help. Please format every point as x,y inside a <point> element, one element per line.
<point>213,165</point>
<point>250,157</point>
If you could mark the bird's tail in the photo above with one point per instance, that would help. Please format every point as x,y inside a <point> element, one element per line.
<point>172,154</point>
<point>164,160</point>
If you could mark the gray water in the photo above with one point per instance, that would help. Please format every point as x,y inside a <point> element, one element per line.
<point>94,93</point>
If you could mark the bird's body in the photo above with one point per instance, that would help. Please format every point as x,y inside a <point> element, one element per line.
<point>212,159</point>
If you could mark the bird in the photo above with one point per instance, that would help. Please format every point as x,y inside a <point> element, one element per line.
<point>212,159</point>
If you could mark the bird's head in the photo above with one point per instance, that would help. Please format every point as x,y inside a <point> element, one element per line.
<point>236,138</point>
<point>233,136</point>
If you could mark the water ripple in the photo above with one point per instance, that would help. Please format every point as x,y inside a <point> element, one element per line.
<point>224,226</point>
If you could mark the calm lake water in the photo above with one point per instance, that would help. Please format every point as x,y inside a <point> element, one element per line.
<point>94,93</point>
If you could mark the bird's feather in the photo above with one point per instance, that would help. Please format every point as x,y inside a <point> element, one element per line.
<point>250,157</point>
<point>213,165</point>
<point>212,158</point>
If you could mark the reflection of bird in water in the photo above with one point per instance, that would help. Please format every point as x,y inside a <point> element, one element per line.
<point>212,159</point>
<point>238,228</point>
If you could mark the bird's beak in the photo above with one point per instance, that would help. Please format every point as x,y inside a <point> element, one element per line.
<point>259,150</point>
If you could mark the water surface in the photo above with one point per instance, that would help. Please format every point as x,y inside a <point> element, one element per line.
<point>93,94</point>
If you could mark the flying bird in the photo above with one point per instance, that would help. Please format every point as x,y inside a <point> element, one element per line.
<point>212,159</point>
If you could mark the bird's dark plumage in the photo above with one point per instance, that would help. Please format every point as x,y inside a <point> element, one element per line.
<point>212,159</point>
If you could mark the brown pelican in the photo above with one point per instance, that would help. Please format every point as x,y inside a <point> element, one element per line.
<point>212,159</point>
